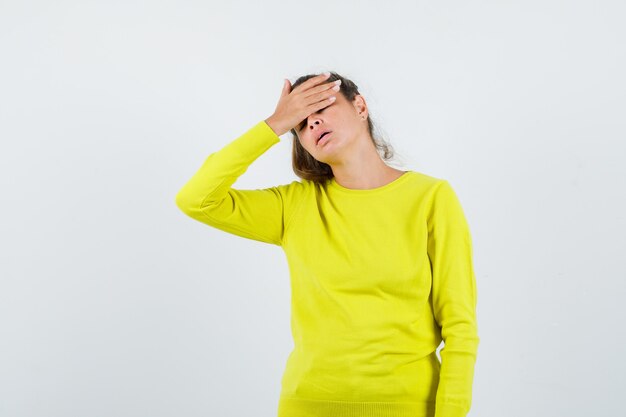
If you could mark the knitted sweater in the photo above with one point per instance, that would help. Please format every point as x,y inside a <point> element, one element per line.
<point>379,278</point>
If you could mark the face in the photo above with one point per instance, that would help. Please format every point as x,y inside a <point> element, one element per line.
<point>342,119</point>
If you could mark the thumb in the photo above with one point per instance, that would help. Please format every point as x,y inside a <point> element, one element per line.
<point>286,88</point>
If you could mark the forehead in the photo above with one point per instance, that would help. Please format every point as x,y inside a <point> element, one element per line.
<point>339,99</point>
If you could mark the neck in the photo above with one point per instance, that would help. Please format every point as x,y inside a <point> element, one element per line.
<point>364,169</point>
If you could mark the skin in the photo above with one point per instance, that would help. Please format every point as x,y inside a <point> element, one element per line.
<point>349,149</point>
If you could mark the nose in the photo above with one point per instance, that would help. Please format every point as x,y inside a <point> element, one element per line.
<point>315,122</point>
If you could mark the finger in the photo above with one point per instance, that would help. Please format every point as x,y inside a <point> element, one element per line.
<point>286,88</point>
<point>321,103</point>
<point>311,82</point>
<point>320,89</point>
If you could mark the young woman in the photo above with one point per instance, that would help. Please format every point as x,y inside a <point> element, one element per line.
<point>380,260</point>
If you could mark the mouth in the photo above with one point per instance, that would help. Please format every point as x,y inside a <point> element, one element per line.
<point>323,135</point>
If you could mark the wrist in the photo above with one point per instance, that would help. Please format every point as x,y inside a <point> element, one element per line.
<point>275,126</point>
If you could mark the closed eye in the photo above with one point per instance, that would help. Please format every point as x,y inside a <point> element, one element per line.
<point>301,125</point>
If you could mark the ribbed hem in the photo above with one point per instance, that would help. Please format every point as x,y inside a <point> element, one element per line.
<point>300,407</point>
<point>450,410</point>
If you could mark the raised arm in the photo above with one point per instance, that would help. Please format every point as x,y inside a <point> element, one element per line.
<point>454,300</point>
<point>209,197</point>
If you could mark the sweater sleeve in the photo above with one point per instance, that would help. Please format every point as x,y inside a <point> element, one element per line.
<point>209,198</point>
<point>454,300</point>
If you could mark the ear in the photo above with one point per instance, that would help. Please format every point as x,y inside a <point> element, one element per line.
<point>360,105</point>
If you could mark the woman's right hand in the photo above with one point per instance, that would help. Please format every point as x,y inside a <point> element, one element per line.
<point>294,106</point>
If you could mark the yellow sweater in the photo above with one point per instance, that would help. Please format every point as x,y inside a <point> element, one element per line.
<point>379,278</point>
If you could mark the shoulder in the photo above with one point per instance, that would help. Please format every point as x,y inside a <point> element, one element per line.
<point>294,193</point>
<point>294,188</point>
<point>436,193</point>
<point>427,185</point>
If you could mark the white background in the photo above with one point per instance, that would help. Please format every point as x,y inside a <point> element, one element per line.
<point>114,303</point>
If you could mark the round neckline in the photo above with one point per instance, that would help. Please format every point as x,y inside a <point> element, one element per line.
<point>334,184</point>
